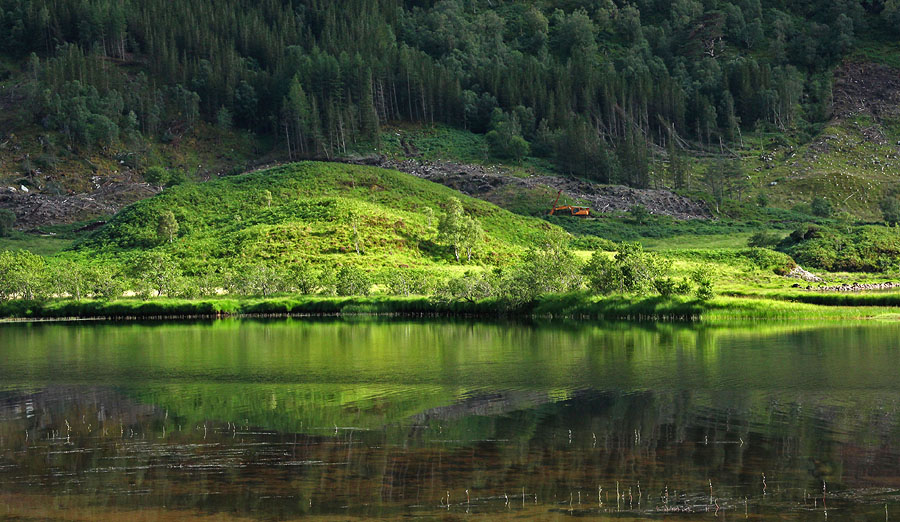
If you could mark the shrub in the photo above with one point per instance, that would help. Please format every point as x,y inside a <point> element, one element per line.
<point>704,290</point>
<point>805,232</point>
<point>821,207</point>
<point>551,270</point>
<point>262,279</point>
<point>592,243</point>
<point>23,275</point>
<point>890,210</point>
<point>631,270</point>
<point>406,282</point>
<point>156,176</point>
<point>861,249</point>
<point>7,220</point>
<point>352,281</point>
<point>664,286</point>
<point>469,287</point>
<point>764,239</point>
<point>639,214</point>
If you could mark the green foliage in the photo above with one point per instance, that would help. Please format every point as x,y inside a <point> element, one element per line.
<point>451,226</point>
<point>890,209</point>
<point>725,178</point>
<point>592,243</point>
<point>505,139</point>
<point>176,177</point>
<point>630,270</point>
<point>821,207</point>
<point>323,78</point>
<point>7,220</point>
<point>764,239</point>
<point>352,281</point>
<point>224,119</point>
<point>153,274</point>
<point>408,281</point>
<point>167,227</point>
<point>639,214</point>
<point>471,287</point>
<point>23,275</point>
<point>704,284</point>
<point>256,278</point>
<point>552,269</point>
<point>859,249</point>
<point>156,175</point>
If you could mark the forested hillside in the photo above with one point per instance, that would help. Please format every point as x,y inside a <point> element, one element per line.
<point>595,86</point>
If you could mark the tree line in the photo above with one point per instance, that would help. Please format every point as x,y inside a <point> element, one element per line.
<point>593,85</point>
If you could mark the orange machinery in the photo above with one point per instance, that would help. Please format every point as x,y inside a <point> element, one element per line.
<point>568,209</point>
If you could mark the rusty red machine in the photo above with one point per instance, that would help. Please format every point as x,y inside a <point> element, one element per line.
<point>569,210</point>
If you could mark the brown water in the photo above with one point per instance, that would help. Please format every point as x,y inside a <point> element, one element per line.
<point>345,420</point>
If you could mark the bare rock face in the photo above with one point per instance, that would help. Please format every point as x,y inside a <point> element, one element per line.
<point>481,182</point>
<point>858,287</point>
<point>799,273</point>
<point>37,209</point>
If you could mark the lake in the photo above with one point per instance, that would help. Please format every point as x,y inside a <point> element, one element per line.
<point>331,419</point>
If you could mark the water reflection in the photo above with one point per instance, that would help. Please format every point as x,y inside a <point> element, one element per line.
<point>288,419</point>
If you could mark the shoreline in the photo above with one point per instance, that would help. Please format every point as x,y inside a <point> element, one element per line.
<point>577,306</point>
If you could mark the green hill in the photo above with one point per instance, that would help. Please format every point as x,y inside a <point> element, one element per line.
<point>308,212</point>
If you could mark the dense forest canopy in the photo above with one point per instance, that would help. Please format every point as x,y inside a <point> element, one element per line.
<point>595,85</point>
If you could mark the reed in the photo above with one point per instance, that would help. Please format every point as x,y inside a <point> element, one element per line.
<point>577,305</point>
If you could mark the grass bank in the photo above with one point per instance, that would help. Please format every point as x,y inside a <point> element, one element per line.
<point>576,305</point>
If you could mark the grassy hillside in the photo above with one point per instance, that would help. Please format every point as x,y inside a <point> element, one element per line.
<point>311,216</point>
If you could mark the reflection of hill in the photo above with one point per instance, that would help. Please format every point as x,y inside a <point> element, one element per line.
<point>47,406</point>
<point>491,444</point>
<point>486,405</point>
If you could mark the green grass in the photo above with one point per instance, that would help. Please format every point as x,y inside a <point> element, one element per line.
<point>438,142</point>
<point>734,240</point>
<point>313,211</point>
<point>884,49</point>
<point>38,244</point>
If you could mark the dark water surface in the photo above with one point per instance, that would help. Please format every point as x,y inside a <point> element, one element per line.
<point>336,420</point>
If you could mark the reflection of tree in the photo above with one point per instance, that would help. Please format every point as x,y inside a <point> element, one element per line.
<point>554,409</point>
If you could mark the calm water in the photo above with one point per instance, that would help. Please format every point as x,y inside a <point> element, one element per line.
<point>346,420</point>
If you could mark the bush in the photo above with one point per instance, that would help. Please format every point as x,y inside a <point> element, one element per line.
<point>805,232</point>
<point>156,176</point>
<point>631,270</point>
<point>352,281</point>
<point>7,220</point>
<point>176,177</point>
<point>890,210</point>
<point>592,243</point>
<point>551,270</point>
<point>262,279</point>
<point>764,239</point>
<point>406,282</point>
<point>704,290</point>
<point>664,286</point>
<point>861,249</point>
<point>23,275</point>
<point>639,214</point>
<point>469,287</point>
<point>821,207</point>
